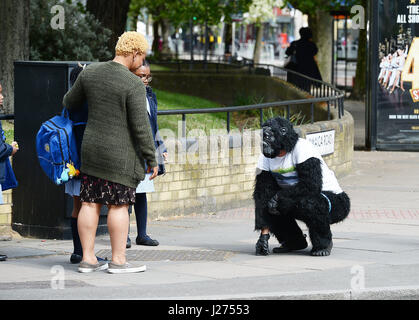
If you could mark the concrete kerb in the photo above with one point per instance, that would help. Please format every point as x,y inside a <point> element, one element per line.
<point>379,293</point>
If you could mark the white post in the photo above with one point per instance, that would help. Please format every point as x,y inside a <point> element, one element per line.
<point>233,36</point>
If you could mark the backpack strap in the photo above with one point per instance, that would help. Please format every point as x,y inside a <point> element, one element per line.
<point>79,124</point>
<point>64,113</point>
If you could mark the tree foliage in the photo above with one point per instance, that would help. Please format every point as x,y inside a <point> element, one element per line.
<point>181,11</point>
<point>312,6</point>
<point>83,37</point>
<point>262,10</point>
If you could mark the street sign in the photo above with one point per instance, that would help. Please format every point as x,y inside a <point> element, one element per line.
<point>324,141</point>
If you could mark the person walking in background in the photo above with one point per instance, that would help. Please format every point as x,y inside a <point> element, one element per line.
<point>116,145</point>
<point>303,52</point>
<point>6,150</point>
<point>147,185</point>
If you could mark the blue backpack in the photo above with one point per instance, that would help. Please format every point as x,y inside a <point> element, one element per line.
<point>56,148</point>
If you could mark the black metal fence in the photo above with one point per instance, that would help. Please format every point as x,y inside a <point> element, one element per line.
<point>319,91</point>
<point>7,116</point>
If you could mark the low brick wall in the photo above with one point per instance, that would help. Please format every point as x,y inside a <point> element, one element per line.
<point>218,179</point>
<point>6,214</point>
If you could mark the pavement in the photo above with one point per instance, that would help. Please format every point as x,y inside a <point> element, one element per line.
<point>211,257</point>
<point>357,109</point>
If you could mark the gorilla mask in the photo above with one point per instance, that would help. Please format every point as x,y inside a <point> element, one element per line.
<point>278,134</point>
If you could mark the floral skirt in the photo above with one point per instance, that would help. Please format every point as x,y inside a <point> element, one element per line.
<point>105,192</point>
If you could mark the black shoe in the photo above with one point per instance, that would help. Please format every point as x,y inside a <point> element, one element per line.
<point>146,241</point>
<point>284,248</point>
<point>128,243</point>
<point>296,245</point>
<point>262,246</point>
<point>99,259</point>
<point>75,258</point>
<point>3,257</point>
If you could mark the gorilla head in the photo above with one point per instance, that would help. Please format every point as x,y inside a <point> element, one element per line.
<point>278,134</point>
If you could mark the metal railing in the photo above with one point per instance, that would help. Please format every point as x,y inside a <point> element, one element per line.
<point>7,117</point>
<point>319,91</point>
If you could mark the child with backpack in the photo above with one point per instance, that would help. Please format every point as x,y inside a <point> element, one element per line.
<point>72,187</point>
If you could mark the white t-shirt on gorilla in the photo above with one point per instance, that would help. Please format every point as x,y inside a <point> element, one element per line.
<point>284,167</point>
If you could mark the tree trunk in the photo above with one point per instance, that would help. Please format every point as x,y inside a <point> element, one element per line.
<point>165,30</point>
<point>258,44</point>
<point>228,37</point>
<point>321,25</point>
<point>156,37</point>
<point>206,44</point>
<point>112,14</point>
<point>360,86</point>
<point>14,44</point>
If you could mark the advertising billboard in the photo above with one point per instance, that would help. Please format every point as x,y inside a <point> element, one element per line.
<point>395,76</point>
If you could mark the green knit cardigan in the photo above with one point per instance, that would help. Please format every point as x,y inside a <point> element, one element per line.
<point>118,140</point>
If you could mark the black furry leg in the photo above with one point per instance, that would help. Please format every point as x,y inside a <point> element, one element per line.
<point>341,206</point>
<point>323,252</point>
<point>262,246</point>
<point>321,238</point>
<point>314,211</point>
<point>289,234</point>
<point>284,228</point>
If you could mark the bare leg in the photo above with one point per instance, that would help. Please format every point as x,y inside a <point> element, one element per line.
<point>118,220</point>
<point>87,224</point>
<point>396,82</point>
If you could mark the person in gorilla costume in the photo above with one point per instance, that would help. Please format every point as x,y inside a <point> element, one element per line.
<point>294,183</point>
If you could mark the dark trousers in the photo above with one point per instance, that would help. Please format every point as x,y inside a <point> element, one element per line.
<point>140,208</point>
<point>284,227</point>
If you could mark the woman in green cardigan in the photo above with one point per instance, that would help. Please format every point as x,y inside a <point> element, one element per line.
<point>116,145</point>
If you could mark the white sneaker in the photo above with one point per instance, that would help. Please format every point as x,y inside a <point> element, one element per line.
<point>125,268</point>
<point>85,267</point>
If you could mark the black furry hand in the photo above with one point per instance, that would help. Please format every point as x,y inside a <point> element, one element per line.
<point>280,204</point>
<point>273,205</point>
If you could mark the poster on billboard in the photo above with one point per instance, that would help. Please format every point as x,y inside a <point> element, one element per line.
<point>397,101</point>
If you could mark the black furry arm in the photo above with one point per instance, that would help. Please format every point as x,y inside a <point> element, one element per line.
<point>265,188</point>
<point>310,181</point>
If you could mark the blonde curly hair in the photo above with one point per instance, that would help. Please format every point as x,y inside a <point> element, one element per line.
<point>130,42</point>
